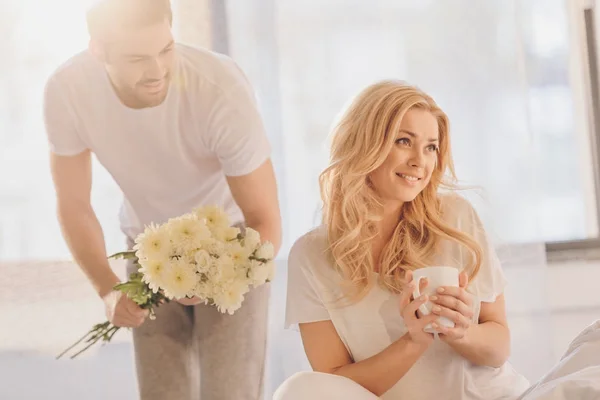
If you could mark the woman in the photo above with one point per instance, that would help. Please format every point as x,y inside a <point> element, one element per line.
<point>350,281</point>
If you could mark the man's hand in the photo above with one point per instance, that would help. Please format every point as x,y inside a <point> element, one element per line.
<point>190,301</point>
<point>256,195</point>
<point>121,311</point>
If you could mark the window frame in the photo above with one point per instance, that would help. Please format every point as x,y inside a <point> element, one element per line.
<point>583,16</point>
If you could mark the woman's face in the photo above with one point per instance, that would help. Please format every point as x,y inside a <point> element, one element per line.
<point>408,167</point>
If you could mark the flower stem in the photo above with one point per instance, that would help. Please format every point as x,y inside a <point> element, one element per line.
<point>106,335</point>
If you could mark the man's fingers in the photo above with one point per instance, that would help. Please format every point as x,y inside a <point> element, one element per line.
<point>126,322</point>
<point>134,310</point>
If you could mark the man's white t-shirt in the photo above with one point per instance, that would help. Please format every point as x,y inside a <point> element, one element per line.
<point>166,159</point>
<point>369,326</point>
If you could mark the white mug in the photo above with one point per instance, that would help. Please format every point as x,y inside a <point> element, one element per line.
<point>436,277</point>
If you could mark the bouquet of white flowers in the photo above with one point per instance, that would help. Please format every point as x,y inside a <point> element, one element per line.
<point>195,255</point>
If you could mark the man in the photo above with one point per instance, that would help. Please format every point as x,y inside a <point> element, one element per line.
<point>177,127</point>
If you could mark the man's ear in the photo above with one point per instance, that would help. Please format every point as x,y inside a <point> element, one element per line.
<point>97,50</point>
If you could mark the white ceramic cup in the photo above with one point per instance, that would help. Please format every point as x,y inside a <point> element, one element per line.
<point>436,277</point>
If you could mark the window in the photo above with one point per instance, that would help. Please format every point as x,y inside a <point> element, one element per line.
<point>510,75</point>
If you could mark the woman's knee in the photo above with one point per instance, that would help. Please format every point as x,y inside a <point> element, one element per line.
<point>296,386</point>
<point>320,386</point>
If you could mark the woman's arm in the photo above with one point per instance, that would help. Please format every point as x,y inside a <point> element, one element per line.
<point>378,374</point>
<point>488,342</point>
<point>326,351</point>
<point>485,343</point>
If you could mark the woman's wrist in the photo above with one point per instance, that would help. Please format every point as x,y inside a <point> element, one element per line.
<point>407,345</point>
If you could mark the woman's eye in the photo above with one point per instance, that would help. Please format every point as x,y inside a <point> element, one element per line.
<point>433,148</point>
<point>403,141</point>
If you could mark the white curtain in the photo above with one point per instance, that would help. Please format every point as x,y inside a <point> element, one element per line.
<point>506,72</point>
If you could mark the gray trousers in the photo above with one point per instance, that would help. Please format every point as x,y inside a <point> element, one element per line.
<point>197,353</point>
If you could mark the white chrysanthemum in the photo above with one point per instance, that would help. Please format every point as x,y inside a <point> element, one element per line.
<point>266,251</point>
<point>203,290</point>
<point>180,279</point>
<point>154,272</point>
<point>187,230</point>
<point>223,270</point>
<point>258,273</point>
<point>231,297</point>
<point>153,244</point>
<point>251,239</point>
<point>214,216</point>
<point>226,233</point>
<point>214,247</point>
<point>187,251</point>
<point>238,253</point>
<point>203,261</point>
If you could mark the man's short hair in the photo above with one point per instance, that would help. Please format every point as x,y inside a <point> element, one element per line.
<point>107,16</point>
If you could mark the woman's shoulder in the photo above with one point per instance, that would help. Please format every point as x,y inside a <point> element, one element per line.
<point>310,248</point>
<point>454,201</point>
<point>457,209</point>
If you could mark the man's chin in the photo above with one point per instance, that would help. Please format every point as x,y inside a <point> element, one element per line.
<point>152,100</point>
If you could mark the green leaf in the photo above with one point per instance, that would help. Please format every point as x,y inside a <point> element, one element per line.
<point>126,255</point>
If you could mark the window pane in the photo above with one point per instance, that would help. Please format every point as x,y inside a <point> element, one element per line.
<point>504,71</point>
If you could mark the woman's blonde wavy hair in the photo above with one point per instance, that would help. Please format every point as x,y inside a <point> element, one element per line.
<point>362,140</point>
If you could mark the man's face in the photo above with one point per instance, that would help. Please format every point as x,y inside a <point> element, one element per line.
<point>140,62</point>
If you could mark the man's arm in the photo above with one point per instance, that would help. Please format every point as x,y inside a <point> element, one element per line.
<point>256,195</point>
<point>72,176</point>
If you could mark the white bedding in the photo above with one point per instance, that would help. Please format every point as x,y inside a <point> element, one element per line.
<point>577,375</point>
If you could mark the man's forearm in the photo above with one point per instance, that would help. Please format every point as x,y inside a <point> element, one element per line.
<point>269,231</point>
<point>85,239</point>
<point>487,344</point>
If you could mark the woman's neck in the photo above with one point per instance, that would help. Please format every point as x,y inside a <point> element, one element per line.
<point>391,216</point>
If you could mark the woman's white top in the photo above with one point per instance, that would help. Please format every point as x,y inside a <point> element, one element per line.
<point>371,325</point>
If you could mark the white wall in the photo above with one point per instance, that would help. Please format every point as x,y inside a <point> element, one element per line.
<point>541,334</point>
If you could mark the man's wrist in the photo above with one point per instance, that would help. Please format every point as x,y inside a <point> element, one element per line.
<point>107,285</point>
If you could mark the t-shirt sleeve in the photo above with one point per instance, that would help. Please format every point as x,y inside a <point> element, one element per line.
<point>236,133</point>
<point>490,281</point>
<point>303,301</point>
<point>60,122</point>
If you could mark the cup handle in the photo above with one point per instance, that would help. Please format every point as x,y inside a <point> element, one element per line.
<point>417,294</point>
